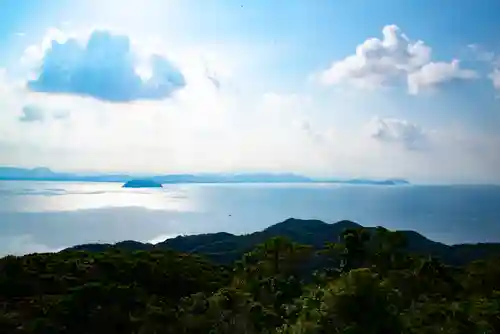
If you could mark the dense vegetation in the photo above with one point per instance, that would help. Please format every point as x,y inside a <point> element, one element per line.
<point>225,248</point>
<point>366,281</point>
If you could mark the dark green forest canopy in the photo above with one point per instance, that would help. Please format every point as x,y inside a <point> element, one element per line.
<point>352,280</point>
<point>225,248</point>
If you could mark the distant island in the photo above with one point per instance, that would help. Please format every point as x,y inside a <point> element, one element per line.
<point>45,174</point>
<point>144,183</point>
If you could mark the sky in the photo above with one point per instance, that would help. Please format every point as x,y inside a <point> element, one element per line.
<point>325,88</point>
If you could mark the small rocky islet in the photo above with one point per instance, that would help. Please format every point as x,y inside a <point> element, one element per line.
<point>143,183</point>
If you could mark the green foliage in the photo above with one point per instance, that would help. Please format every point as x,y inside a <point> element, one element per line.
<point>113,291</point>
<point>368,283</point>
<point>342,306</point>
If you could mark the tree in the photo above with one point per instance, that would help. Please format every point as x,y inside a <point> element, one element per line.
<point>387,250</point>
<point>354,248</point>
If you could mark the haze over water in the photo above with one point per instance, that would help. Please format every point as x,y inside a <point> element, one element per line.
<point>47,216</point>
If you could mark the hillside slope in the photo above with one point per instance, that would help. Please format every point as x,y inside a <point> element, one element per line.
<point>225,248</point>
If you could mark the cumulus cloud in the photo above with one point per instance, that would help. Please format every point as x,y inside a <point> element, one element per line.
<point>432,74</point>
<point>382,62</point>
<point>32,113</point>
<point>104,67</point>
<point>390,130</point>
<point>378,62</point>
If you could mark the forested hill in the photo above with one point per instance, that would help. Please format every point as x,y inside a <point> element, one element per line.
<point>225,248</point>
<point>363,281</point>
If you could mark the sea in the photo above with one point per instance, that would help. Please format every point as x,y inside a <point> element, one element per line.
<point>50,216</point>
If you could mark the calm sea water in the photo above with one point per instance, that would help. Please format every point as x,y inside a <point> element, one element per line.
<point>47,216</point>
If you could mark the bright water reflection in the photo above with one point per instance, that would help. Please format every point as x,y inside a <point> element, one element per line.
<point>70,196</point>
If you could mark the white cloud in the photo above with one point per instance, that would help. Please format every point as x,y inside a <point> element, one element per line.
<point>383,62</point>
<point>402,132</point>
<point>495,78</point>
<point>379,62</point>
<point>432,74</point>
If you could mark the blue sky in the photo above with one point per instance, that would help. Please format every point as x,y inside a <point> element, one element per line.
<point>333,88</point>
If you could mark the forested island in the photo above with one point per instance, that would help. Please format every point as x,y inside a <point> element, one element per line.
<point>142,183</point>
<point>298,276</point>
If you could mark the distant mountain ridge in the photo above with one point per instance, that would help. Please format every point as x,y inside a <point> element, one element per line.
<point>45,174</point>
<point>225,248</point>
